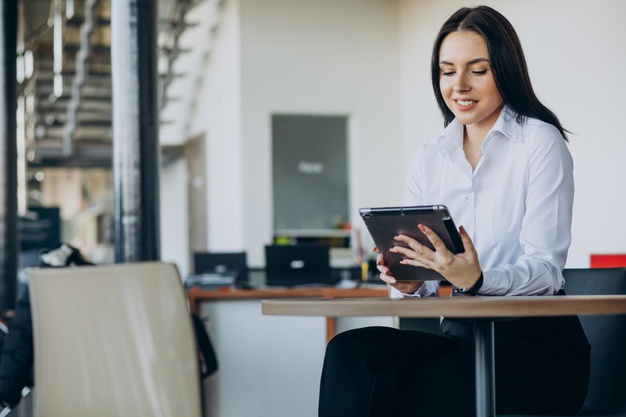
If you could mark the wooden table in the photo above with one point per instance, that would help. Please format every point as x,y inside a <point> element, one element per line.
<point>195,296</point>
<point>482,310</point>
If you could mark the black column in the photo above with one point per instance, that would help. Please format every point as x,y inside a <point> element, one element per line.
<point>136,157</point>
<point>8,153</point>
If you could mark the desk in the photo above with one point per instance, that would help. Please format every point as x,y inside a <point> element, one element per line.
<point>250,347</point>
<point>484,310</point>
<point>196,296</point>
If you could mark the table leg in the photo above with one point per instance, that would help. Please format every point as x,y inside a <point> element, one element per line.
<point>485,375</point>
<point>331,326</point>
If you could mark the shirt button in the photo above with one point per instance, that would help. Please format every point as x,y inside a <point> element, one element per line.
<point>469,198</point>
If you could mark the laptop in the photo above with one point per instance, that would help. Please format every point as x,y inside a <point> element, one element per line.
<point>292,265</point>
<point>224,263</point>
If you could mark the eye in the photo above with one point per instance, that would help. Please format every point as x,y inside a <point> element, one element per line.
<point>481,72</point>
<point>447,73</point>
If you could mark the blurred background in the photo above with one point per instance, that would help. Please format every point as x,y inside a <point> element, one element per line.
<point>278,119</point>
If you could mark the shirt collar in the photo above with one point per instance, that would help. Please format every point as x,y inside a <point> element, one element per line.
<point>452,137</point>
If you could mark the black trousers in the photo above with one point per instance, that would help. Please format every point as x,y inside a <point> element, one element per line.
<point>541,367</point>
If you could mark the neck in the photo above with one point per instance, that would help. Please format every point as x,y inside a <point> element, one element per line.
<point>472,147</point>
<point>476,133</point>
<point>473,140</point>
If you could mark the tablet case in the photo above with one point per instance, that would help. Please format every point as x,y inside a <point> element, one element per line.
<point>384,223</point>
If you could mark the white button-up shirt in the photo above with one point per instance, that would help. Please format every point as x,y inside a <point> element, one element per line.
<point>516,205</point>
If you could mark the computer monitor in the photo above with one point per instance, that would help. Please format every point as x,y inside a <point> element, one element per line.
<point>222,263</point>
<point>291,265</point>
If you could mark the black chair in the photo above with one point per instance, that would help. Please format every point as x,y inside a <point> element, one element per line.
<point>607,335</point>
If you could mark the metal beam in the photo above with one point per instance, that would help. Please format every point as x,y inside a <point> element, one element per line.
<point>8,153</point>
<point>135,130</point>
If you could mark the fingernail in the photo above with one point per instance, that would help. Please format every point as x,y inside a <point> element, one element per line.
<point>462,229</point>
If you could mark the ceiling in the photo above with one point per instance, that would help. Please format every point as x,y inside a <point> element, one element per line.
<point>64,77</point>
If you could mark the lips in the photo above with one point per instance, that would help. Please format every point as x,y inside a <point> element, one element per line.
<point>465,104</point>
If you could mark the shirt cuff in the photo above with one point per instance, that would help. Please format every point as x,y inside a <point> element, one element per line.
<point>428,289</point>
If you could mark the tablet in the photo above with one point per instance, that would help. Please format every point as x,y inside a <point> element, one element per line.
<point>384,223</point>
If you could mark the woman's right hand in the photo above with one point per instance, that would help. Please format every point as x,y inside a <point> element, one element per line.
<point>405,287</point>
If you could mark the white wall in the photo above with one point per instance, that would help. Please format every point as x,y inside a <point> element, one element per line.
<point>576,60</point>
<point>173,223</point>
<point>218,116</point>
<point>321,57</point>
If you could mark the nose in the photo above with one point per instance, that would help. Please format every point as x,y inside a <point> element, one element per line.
<point>460,83</point>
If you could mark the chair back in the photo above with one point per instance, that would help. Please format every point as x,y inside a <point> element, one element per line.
<point>113,340</point>
<point>607,336</point>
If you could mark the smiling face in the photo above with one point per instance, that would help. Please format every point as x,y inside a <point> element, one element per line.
<point>466,81</point>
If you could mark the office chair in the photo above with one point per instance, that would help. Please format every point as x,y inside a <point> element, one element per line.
<point>113,341</point>
<point>606,395</point>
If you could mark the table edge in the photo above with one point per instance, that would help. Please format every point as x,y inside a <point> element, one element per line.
<point>454,307</point>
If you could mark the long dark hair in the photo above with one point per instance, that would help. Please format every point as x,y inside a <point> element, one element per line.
<point>507,63</point>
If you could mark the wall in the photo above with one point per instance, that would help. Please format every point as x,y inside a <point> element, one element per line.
<point>323,57</point>
<point>173,222</point>
<point>218,116</point>
<point>576,58</point>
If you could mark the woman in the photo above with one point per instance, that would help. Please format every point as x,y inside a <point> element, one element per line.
<point>503,169</point>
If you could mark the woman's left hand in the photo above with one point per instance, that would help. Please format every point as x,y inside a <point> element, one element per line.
<point>462,269</point>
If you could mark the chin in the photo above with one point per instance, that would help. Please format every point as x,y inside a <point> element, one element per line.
<point>466,120</point>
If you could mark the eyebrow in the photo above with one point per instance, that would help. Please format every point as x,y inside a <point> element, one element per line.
<point>473,61</point>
